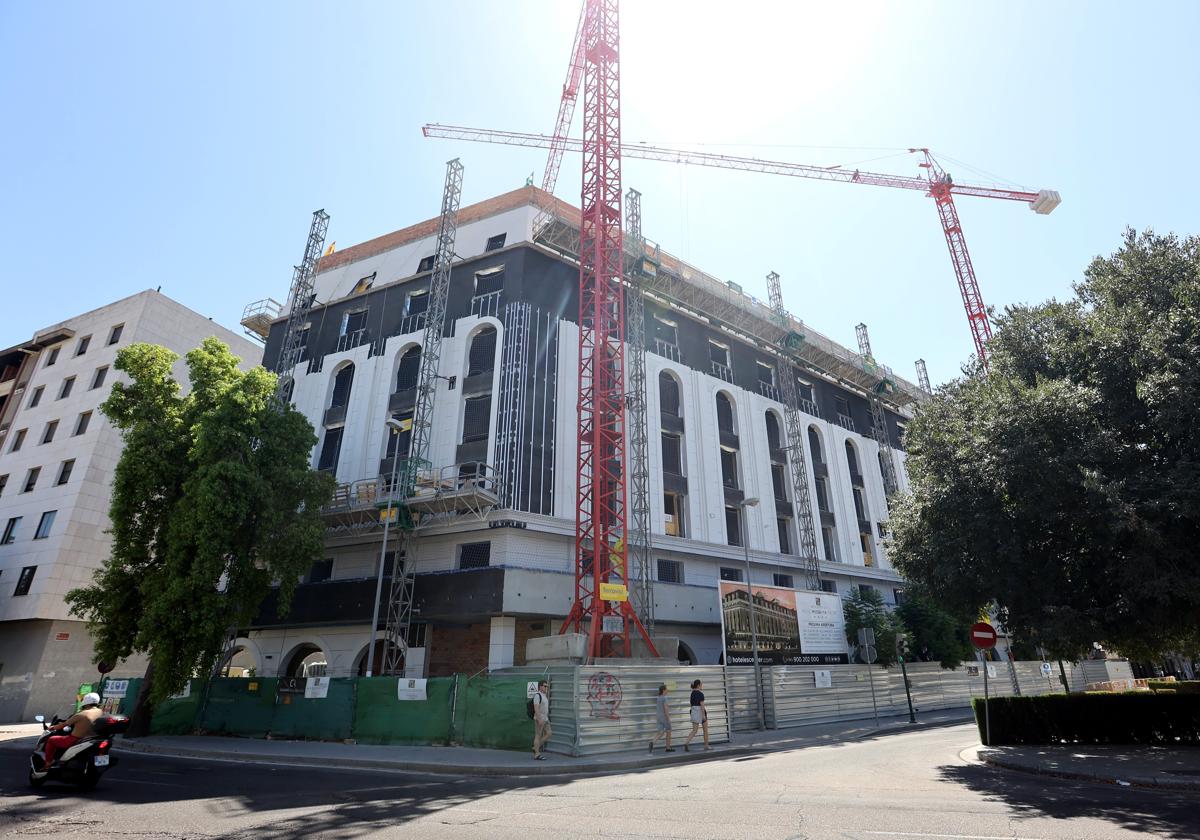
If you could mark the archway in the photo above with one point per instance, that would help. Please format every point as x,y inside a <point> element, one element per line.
<point>686,655</point>
<point>305,660</point>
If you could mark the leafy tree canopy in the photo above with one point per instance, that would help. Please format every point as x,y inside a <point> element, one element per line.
<point>935,635</point>
<point>1064,481</point>
<point>213,501</point>
<point>864,608</point>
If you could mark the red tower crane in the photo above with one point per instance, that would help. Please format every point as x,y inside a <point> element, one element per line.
<point>935,183</point>
<point>566,107</point>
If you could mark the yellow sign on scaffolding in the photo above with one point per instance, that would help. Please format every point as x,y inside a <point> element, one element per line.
<point>614,592</point>
<point>391,514</point>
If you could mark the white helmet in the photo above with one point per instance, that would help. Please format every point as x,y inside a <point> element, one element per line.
<point>91,699</point>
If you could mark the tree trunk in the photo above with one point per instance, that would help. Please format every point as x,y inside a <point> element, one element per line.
<point>143,711</point>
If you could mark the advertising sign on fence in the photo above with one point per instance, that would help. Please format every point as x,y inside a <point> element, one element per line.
<point>116,688</point>
<point>317,688</point>
<point>794,627</point>
<point>410,689</point>
<point>291,685</point>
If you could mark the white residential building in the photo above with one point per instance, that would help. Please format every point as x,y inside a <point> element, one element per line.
<point>57,457</point>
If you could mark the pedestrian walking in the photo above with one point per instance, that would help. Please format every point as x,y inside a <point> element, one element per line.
<point>699,715</point>
<point>541,720</point>
<point>662,715</point>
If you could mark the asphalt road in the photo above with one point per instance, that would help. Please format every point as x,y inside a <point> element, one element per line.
<point>911,786</point>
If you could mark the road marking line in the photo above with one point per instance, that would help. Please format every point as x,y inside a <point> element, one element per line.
<point>951,836</point>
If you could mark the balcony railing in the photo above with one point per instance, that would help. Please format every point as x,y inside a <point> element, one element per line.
<point>721,371</point>
<point>846,422</point>
<point>413,323</point>
<point>808,406</point>
<point>486,305</point>
<point>666,350</point>
<point>351,340</point>
<point>768,390</point>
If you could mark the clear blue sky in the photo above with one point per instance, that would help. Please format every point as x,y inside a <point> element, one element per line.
<point>185,146</point>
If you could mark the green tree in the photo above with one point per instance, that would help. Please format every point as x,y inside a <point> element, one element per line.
<point>1064,481</point>
<point>864,608</point>
<point>213,502</point>
<point>935,634</point>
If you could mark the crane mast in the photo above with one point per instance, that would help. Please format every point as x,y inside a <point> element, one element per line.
<point>399,605</point>
<point>887,463</point>
<point>923,376</point>
<point>300,300</point>
<point>797,462</point>
<point>642,589</point>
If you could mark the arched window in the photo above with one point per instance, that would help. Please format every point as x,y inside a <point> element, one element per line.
<point>774,436</point>
<point>814,444</point>
<point>342,380</point>
<point>824,507</point>
<point>481,358</point>
<point>408,369</point>
<point>668,394</point>
<point>852,461</point>
<point>724,413</point>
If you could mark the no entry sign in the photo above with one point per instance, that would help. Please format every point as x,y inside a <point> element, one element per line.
<point>983,635</point>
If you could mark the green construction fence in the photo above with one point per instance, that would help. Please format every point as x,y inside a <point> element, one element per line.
<point>381,718</point>
<point>492,713</point>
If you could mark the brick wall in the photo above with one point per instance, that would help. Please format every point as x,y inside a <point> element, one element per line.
<point>458,649</point>
<point>531,629</point>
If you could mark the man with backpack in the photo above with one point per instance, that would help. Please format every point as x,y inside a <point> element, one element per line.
<point>538,708</point>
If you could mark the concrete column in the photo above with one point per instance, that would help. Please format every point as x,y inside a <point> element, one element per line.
<point>502,642</point>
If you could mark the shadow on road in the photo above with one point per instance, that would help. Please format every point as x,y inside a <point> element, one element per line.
<point>1157,812</point>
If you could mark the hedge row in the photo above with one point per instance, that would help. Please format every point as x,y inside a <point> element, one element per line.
<point>1132,718</point>
<point>1178,686</point>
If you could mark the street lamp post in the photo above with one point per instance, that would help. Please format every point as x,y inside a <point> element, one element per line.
<point>758,683</point>
<point>394,427</point>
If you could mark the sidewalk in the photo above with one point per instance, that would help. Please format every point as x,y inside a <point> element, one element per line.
<point>461,761</point>
<point>1175,768</point>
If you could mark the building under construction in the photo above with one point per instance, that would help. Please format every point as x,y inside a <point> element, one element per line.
<point>486,529</point>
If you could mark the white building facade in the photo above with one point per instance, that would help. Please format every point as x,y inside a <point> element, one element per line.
<point>58,454</point>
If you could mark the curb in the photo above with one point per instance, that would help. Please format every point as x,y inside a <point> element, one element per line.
<point>1132,781</point>
<point>440,769</point>
<point>913,727</point>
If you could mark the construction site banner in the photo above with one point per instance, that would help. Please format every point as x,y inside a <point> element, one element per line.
<point>794,627</point>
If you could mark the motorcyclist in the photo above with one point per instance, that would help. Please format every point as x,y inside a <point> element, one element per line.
<point>81,723</point>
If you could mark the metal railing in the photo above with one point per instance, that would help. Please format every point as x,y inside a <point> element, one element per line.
<point>846,422</point>
<point>412,323</point>
<point>721,371</point>
<point>768,390</point>
<point>486,305</point>
<point>351,340</point>
<point>666,350</point>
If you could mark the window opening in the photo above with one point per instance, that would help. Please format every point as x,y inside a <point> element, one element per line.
<point>482,355</point>
<point>67,385</point>
<point>82,346</point>
<point>343,380</point>
<point>724,414</point>
<point>330,450</point>
<point>779,482</point>
<point>31,478</point>
<point>53,357</point>
<point>670,571</point>
<point>672,454</point>
<point>476,555</point>
<point>18,440</point>
<point>673,514</point>
<point>477,416</point>
<point>48,434</point>
<point>495,243</point>
<point>409,369</point>
<point>417,303</point>
<point>784,581</point>
<point>731,574</point>
<point>25,580</point>
<point>45,524</point>
<point>98,377</point>
<point>729,476</point>
<point>426,263</point>
<point>10,530</point>
<point>81,425</point>
<point>114,334</point>
<point>774,437</point>
<point>668,395</point>
<point>64,471</point>
<point>733,527</point>
<point>489,281</point>
<point>37,396</point>
<point>400,442</point>
<point>784,526</point>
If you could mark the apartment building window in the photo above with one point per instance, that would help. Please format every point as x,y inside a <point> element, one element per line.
<point>477,555</point>
<point>718,353</point>
<point>31,478</point>
<point>114,335</point>
<point>731,574</point>
<point>729,473</point>
<point>774,436</point>
<point>52,357</point>
<point>822,496</point>
<point>673,515</point>
<point>495,243</point>
<point>672,453</point>
<point>98,377</point>
<point>3,483</point>
<point>865,589</point>
<point>779,482</point>
<point>842,405</point>
<point>670,571</point>
<point>804,390</point>
<point>489,281</point>
<point>48,432</point>
<point>426,263</point>
<point>784,525</point>
<point>481,358</point>
<point>82,346</point>
<point>64,471</point>
<point>18,440</point>
<point>321,570</point>
<point>828,541</point>
<point>45,524</point>
<point>725,413</point>
<point>81,425</point>
<point>25,581</point>
<point>860,504</point>
<point>668,395</point>
<point>37,396</point>
<point>10,530</point>
<point>400,443</point>
<point>784,581</point>
<point>408,370</point>
<point>331,448</point>
<point>852,463</point>
<point>898,596</point>
<point>417,302</point>
<point>477,418</point>
<point>865,541</point>
<point>65,390</point>
<point>343,381</point>
<point>733,526</point>
<point>829,586</point>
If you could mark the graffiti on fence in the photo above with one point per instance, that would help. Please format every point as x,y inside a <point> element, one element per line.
<point>604,695</point>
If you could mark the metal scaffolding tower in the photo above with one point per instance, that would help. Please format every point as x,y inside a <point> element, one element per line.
<point>923,376</point>
<point>795,438</point>
<point>399,607</point>
<point>887,462</point>
<point>300,300</point>
<point>642,590</point>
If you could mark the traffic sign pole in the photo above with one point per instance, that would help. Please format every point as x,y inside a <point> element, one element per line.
<point>987,709</point>
<point>983,636</point>
<point>912,717</point>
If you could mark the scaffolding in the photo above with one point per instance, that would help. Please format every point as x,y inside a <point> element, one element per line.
<point>923,376</point>
<point>300,301</point>
<point>641,590</point>
<point>415,499</point>
<point>887,461</point>
<point>797,461</point>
